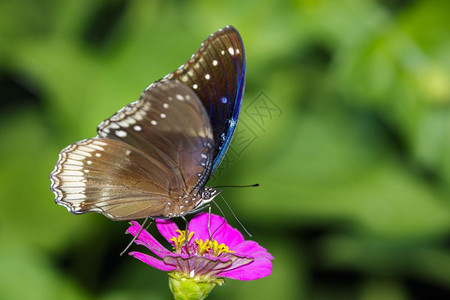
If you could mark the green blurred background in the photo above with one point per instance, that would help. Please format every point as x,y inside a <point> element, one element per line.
<point>345,124</point>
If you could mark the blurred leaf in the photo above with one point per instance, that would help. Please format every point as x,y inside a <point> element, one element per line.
<point>352,151</point>
<point>27,274</point>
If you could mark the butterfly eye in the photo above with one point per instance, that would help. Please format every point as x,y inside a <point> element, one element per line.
<point>206,195</point>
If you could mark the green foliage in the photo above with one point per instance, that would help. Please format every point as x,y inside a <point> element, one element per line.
<point>353,160</point>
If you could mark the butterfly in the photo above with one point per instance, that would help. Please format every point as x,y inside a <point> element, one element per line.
<point>154,157</point>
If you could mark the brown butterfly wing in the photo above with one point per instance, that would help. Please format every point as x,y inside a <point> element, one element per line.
<point>148,159</point>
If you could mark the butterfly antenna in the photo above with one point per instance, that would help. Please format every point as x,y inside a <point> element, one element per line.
<point>235,216</point>
<point>137,235</point>
<point>237,186</point>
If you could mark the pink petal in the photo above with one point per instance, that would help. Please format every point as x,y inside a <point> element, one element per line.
<point>229,236</point>
<point>222,232</point>
<point>253,249</point>
<point>198,265</point>
<point>235,262</point>
<point>260,267</point>
<point>167,228</point>
<point>152,261</point>
<point>147,240</point>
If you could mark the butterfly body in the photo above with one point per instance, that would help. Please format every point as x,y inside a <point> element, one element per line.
<point>154,157</point>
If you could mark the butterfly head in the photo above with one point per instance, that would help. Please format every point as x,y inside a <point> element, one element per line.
<point>207,195</point>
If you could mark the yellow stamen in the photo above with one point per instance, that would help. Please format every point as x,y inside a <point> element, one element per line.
<point>219,249</point>
<point>203,247</point>
<point>180,241</point>
<point>208,245</point>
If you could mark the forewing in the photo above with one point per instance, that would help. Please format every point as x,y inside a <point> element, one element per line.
<point>216,72</point>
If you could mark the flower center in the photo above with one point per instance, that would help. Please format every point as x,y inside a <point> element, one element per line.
<point>200,247</point>
<point>182,240</point>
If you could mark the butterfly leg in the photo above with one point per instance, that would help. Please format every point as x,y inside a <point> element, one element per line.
<point>137,235</point>
<point>209,222</point>
<point>232,212</point>
<point>186,235</point>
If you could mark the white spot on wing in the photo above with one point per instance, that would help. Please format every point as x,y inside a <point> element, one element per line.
<point>153,122</point>
<point>207,76</point>
<point>77,196</point>
<point>124,124</point>
<point>215,63</point>
<point>75,189</point>
<point>163,115</point>
<point>121,133</point>
<point>99,143</point>
<point>137,128</point>
<point>195,86</point>
<point>74,162</point>
<point>96,147</point>
<point>231,50</point>
<point>71,167</point>
<point>76,156</point>
<point>72,173</point>
<point>84,151</point>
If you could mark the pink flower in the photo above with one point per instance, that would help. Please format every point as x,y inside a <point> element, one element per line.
<point>225,254</point>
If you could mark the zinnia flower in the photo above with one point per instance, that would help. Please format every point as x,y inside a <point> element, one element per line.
<point>200,259</point>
